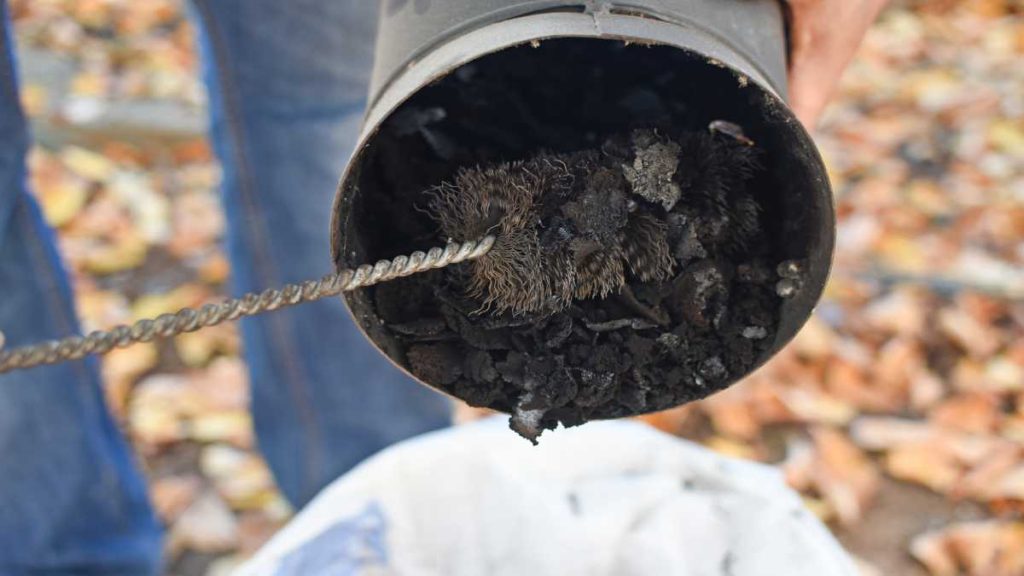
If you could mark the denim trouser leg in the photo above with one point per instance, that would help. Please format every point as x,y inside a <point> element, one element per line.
<point>71,501</point>
<point>287,84</point>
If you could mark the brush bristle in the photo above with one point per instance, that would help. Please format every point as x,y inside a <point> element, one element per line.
<point>516,276</point>
<point>600,274</point>
<point>713,176</point>
<point>570,226</point>
<point>646,249</point>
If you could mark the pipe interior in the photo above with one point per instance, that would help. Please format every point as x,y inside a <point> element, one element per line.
<point>569,94</point>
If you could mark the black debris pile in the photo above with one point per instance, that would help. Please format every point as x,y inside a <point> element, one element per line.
<point>630,277</point>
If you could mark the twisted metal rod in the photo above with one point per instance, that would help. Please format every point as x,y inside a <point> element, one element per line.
<point>190,320</point>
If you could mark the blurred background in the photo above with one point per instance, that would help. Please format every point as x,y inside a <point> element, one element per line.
<point>898,412</point>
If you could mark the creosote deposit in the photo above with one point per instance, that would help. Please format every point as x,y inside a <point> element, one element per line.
<point>626,278</point>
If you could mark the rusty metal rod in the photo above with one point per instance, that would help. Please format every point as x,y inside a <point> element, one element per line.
<point>190,320</point>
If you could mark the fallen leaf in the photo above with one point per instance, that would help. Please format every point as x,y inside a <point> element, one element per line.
<point>121,368</point>
<point>87,164</point>
<point>813,406</point>
<point>988,548</point>
<point>35,99</point>
<point>977,413</point>
<point>155,413</point>
<point>732,415</point>
<point>731,448</point>
<point>884,433</point>
<point>241,477</point>
<point>932,550</point>
<point>215,269</point>
<point>815,340</point>
<point>153,305</point>
<point>901,311</point>
<point>985,481</point>
<point>222,426</point>
<point>207,526</point>
<point>197,349</point>
<point>668,421</point>
<point>172,495</point>
<point>973,337</point>
<point>62,201</point>
<point>843,474</point>
<point>1011,484</point>
<point>926,390</point>
<point>925,464</point>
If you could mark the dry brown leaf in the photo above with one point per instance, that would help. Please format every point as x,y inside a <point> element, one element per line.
<point>904,253</point>
<point>849,383</point>
<point>172,495</point>
<point>971,449</point>
<point>254,530</point>
<point>241,477</point>
<point>155,413</point>
<point>110,259</point>
<point>1004,375</point>
<point>668,421</point>
<point>810,405</point>
<point>926,464</point>
<point>986,480</point>
<point>764,395</point>
<point>926,389</point>
<point>884,433</point>
<point>101,308</point>
<point>843,474</point>
<point>932,550</point>
<point>1011,485</point>
<point>866,568</point>
<point>969,375</point>
<point>1013,428</point>
<point>977,413</point>
<point>731,414</point>
<point>193,151</point>
<point>126,155</point>
<point>35,99</point>
<point>207,525</point>
<point>215,269</point>
<point>798,466</point>
<point>121,368</point>
<point>62,201</point>
<point>153,305</point>
<point>197,349</point>
<point>977,339</point>
<point>896,365</point>
<point>984,548</point>
<point>198,223</point>
<point>815,340</point>
<point>224,385</point>
<point>87,164</point>
<point>821,509</point>
<point>731,448</point>
<point>223,426</point>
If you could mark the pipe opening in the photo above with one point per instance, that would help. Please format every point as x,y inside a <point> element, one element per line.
<point>594,358</point>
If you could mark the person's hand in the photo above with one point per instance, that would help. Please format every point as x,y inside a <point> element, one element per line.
<point>825,36</point>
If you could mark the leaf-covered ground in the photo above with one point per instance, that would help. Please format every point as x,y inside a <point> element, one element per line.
<point>898,412</point>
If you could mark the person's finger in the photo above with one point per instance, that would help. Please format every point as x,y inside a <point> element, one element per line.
<point>812,83</point>
<point>825,35</point>
<point>1,340</point>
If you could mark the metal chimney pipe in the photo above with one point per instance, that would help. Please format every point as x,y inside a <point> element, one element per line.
<point>687,62</point>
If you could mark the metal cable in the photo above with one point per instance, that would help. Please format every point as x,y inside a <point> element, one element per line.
<point>190,320</point>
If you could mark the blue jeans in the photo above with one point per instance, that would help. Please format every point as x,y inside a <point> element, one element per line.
<point>287,84</point>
